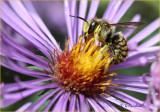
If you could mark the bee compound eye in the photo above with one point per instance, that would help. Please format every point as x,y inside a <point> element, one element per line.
<point>92,27</point>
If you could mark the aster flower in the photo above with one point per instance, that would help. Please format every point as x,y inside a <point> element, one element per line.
<point>80,77</point>
<point>153,92</point>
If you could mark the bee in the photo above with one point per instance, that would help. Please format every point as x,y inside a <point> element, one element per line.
<point>104,31</point>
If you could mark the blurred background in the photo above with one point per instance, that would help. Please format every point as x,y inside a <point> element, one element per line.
<point>53,11</point>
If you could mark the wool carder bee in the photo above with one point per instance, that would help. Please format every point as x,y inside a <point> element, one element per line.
<point>104,31</point>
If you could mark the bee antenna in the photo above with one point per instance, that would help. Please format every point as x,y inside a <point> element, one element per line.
<point>79,18</point>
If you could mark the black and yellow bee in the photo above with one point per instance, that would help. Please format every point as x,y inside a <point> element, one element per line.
<point>104,31</point>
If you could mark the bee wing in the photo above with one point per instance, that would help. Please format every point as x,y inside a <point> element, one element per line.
<point>127,25</point>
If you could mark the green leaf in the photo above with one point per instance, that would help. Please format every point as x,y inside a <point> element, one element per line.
<point>45,58</point>
<point>35,68</point>
<point>46,82</point>
<point>44,105</point>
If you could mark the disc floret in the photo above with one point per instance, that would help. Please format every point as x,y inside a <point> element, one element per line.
<point>84,69</point>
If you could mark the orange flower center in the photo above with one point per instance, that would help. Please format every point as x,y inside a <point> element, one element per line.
<point>84,69</point>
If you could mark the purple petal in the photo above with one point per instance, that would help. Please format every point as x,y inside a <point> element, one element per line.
<point>145,91</point>
<point>14,55</point>
<point>42,100</point>
<point>12,20</point>
<point>93,9</point>
<point>155,97</point>
<point>107,106</point>
<point>21,11</point>
<point>28,92</point>
<point>73,9</point>
<point>11,98</point>
<point>72,103</point>
<point>154,72</point>
<point>40,23</point>
<point>61,104</point>
<point>143,61</point>
<point>74,20</point>
<point>82,13</point>
<point>13,66</point>
<point>18,68</point>
<point>68,22</point>
<point>150,49</point>
<point>21,48</point>
<point>132,46</point>
<point>78,105</point>
<point>128,32</point>
<point>143,50</point>
<point>112,106</point>
<point>83,103</point>
<point>154,40</point>
<point>122,10</point>
<point>24,107</point>
<point>130,78</point>
<point>23,14</point>
<point>94,105</point>
<point>129,83</point>
<point>122,104</point>
<point>74,28</point>
<point>53,100</point>
<point>21,85</point>
<point>127,98</point>
<point>137,59</point>
<point>114,10</point>
<point>148,105</point>
<point>108,11</point>
<point>35,42</point>
<point>147,102</point>
<point>144,78</point>
<point>145,32</point>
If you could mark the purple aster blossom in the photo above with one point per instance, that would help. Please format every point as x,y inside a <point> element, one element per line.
<point>153,92</point>
<point>29,25</point>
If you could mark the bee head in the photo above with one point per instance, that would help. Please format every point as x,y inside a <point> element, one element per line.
<point>92,26</point>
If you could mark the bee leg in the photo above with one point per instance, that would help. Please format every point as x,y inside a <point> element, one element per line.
<point>96,36</point>
<point>115,54</point>
<point>111,50</point>
<point>108,41</point>
<point>85,37</point>
<point>102,44</point>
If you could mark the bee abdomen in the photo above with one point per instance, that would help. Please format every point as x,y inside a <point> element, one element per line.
<point>120,48</point>
<point>120,40</point>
